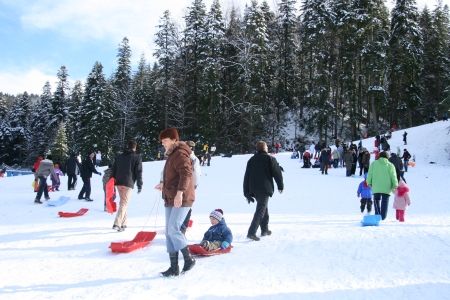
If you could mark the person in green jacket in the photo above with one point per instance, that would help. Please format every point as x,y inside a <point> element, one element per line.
<point>383,180</point>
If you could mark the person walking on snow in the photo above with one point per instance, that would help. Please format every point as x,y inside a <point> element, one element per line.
<point>178,193</point>
<point>404,137</point>
<point>383,180</point>
<point>261,170</point>
<point>401,200</point>
<point>45,169</point>
<point>127,170</point>
<point>87,168</point>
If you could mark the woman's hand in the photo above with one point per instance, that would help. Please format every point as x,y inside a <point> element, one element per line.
<point>159,186</point>
<point>178,200</point>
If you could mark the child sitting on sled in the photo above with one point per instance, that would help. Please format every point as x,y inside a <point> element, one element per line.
<point>218,236</point>
<point>401,200</point>
<point>365,192</point>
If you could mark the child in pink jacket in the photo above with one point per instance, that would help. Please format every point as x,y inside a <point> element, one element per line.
<point>401,200</point>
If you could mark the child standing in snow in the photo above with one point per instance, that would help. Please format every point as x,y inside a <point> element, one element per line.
<point>401,200</point>
<point>218,236</point>
<point>56,182</point>
<point>106,177</point>
<point>365,192</point>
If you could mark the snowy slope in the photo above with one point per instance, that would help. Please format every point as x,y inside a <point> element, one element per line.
<point>318,250</point>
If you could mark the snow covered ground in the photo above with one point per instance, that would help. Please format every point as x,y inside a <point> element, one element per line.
<point>318,250</point>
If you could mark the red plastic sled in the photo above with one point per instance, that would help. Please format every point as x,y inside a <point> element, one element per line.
<point>79,213</point>
<point>197,249</point>
<point>110,205</point>
<point>142,239</point>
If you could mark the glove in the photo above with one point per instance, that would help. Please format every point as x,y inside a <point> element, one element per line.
<point>250,199</point>
<point>280,191</point>
<point>139,190</point>
<point>225,245</point>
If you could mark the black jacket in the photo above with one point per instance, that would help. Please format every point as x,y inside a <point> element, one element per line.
<point>71,165</point>
<point>87,168</point>
<point>259,174</point>
<point>127,169</point>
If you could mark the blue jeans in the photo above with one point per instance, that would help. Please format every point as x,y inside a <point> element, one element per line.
<point>42,189</point>
<point>175,239</point>
<point>384,204</point>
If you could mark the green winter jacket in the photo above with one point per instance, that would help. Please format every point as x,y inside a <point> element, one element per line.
<point>382,177</point>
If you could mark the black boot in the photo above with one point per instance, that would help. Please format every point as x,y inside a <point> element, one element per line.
<point>174,269</point>
<point>189,261</point>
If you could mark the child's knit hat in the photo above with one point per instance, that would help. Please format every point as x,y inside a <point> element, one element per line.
<point>217,214</point>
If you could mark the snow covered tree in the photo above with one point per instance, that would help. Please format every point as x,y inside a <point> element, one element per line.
<point>435,76</point>
<point>41,125</point>
<point>195,52</point>
<point>213,70</point>
<point>166,52</point>
<point>405,64</point>
<point>96,114</point>
<point>60,97</point>
<point>60,150</point>
<point>73,112</point>
<point>124,105</point>
<point>149,110</point>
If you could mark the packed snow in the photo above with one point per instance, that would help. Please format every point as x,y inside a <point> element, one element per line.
<point>318,248</point>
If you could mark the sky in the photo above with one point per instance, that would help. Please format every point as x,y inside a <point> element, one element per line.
<point>37,37</point>
<point>318,249</point>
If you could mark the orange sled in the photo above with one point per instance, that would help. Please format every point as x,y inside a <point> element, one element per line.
<point>142,239</point>
<point>79,213</point>
<point>196,249</point>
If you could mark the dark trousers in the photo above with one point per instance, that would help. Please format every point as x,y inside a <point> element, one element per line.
<point>42,189</point>
<point>381,210</point>
<point>261,216</point>
<point>86,189</point>
<point>71,181</point>
<point>185,224</point>
<point>366,202</point>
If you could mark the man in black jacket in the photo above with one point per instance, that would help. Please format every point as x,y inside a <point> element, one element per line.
<point>87,168</point>
<point>127,170</point>
<point>258,184</point>
<point>72,168</point>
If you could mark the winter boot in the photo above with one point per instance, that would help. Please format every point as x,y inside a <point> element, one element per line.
<point>174,269</point>
<point>189,261</point>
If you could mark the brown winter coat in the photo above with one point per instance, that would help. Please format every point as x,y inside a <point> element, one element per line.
<point>178,175</point>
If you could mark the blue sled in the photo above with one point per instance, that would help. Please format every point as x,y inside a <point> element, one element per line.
<point>60,201</point>
<point>371,220</point>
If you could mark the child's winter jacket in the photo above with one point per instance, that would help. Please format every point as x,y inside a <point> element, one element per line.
<point>364,190</point>
<point>219,232</point>
<point>401,198</point>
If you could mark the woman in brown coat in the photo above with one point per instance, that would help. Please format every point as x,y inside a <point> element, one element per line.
<point>178,192</point>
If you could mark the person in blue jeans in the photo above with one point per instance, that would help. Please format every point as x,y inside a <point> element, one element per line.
<point>382,178</point>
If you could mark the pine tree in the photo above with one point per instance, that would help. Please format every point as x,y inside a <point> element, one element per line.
<point>315,36</point>
<point>435,76</point>
<point>124,105</point>
<point>59,109</point>
<point>405,64</point>
<point>96,114</point>
<point>72,124</point>
<point>212,76</point>
<point>41,127</point>
<point>195,57</point>
<point>149,111</point>
<point>60,150</point>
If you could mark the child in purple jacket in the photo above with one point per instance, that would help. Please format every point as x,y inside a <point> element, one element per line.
<point>365,192</point>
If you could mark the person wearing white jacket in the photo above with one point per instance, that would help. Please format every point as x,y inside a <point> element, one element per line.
<point>197,173</point>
